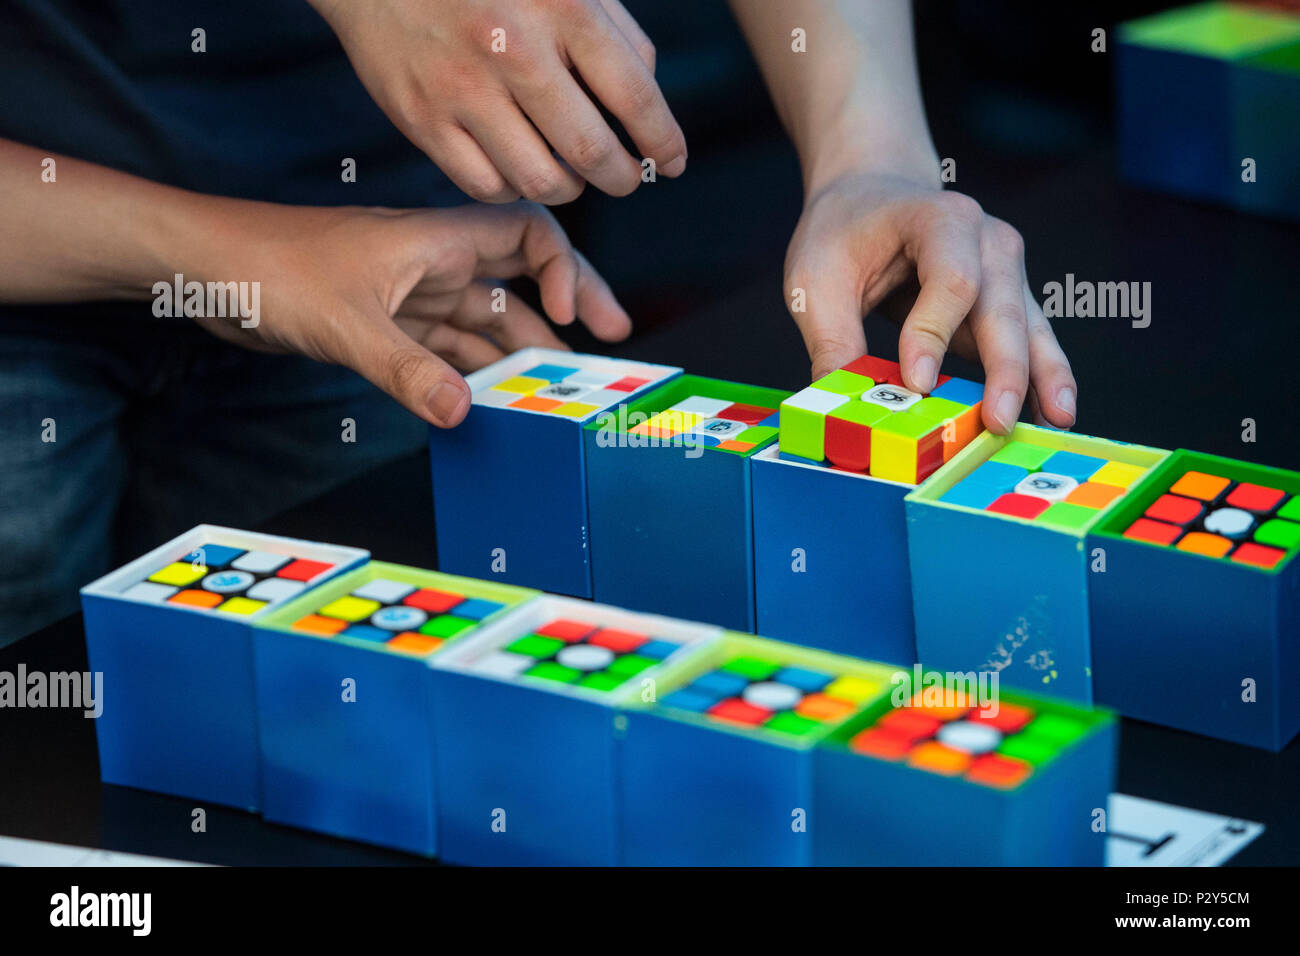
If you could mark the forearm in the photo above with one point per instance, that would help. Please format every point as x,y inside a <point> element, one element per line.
<point>92,232</point>
<point>853,100</point>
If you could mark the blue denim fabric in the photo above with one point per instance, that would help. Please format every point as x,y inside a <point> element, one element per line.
<point>157,428</point>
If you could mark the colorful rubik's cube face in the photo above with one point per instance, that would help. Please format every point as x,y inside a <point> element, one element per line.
<point>582,653</point>
<point>402,617</point>
<point>862,418</point>
<point>228,580</point>
<point>760,692</point>
<point>1214,516</point>
<point>568,391</point>
<point>997,745</point>
<point>1060,489</point>
<point>736,427</point>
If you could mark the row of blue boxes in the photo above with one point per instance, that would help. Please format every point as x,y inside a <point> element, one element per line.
<point>765,542</point>
<point>271,674</point>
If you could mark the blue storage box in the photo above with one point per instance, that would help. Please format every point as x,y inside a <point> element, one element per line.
<point>1195,619</point>
<point>172,634</point>
<point>1200,89</point>
<point>343,699</point>
<point>940,774</point>
<point>524,729</point>
<point>830,559</point>
<point>668,485</point>
<point>718,769</point>
<point>509,483</point>
<point>996,544</point>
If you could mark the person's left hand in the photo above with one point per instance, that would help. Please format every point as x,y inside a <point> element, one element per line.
<point>864,235</point>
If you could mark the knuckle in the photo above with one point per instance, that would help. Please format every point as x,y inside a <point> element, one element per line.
<point>540,185</point>
<point>961,207</point>
<point>960,283</point>
<point>639,94</point>
<point>593,150</point>
<point>1007,238</point>
<point>649,55</point>
<point>1008,316</point>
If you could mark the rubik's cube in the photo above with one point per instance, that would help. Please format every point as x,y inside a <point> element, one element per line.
<point>862,418</point>
<point>1217,517</point>
<point>229,580</point>
<point>569,391</point>
<point>756,691</point>
<point>402,616</point>
<point>577,652</point>
<point>711,423</point>
<point>1060,489</point>
<point>995,745</point>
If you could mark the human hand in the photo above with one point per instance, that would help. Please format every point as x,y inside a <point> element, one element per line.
<point>490,120</point>
<point>864,235</point>
<point>400,296</point>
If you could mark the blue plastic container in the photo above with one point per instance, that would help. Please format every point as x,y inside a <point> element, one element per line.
<point>180,714</point>
<point>527,765</point>
<point>509,483</point>
<point>345,721</point>
<point>830,559</point>
<point>702,791</point>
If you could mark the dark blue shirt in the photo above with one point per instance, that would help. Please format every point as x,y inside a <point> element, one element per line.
<point>269,112</point>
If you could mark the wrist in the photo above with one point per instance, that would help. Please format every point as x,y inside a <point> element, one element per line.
<point>857,151</point>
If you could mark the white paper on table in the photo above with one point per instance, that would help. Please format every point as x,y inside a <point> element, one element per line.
<point>1147,833</point>
<point>15,851</point>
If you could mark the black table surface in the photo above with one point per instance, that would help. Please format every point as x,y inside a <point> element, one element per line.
<point>1220,348</point>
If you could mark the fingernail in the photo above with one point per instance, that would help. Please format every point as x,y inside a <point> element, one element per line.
<point>676,166</point>
<point>925,372</point>
<point>445,402</point>
<point>1007,410</point>
<point>1065,401</point>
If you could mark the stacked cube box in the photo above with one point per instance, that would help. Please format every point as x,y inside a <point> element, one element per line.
<point>1202,88</point>
<point>509,483</point>
<point>986,779</point>
<point>669,499</point>
<point>1000,574</point>
<point>172,634</point>
<point>343,699</point>
<point>830,538</point>
<point>717,769</point>
<point>524,729</point>
<point>1194,621</point>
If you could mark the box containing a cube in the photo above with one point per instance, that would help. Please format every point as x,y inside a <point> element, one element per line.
<point>717,769</point>
<point>343,699</point>
<point>509,483</point>
<point>943,772</point>
<point>669,499</point>
<point>1195,620</point>
<point>524,729</point>
<point>172,634</point>
<point>1000,572</point>
<point>830,537</point>
<point>1201,90</point>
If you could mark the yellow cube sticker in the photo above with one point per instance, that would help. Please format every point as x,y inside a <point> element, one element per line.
<point>349,608</point>
<point>179,574</point>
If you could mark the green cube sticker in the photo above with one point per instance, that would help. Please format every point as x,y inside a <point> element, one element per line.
<point>938,410</point>
<point>757,434</point>
<point>788,722</point>
<point>630,664</point>
<point>1279,534</point>
<point>861,413</point>
<point>549,670</point>
<point>602,681</point>
<point>803,432</point>
<point>1022,454</point>
<point>842,382</point>
<point>534,645</point>
<point>1290,510</point>
<point>908,424</point>
<point>1055,728</point>
<point>1035,750</point>
<point>446,625</point>
<point>1067,517</point>
<point>755,668</point>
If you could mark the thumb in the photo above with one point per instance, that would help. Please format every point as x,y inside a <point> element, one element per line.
<point>426,385</point>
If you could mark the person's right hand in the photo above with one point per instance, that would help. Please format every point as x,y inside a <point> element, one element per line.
<point>400,296</point>
<point>491,119</point>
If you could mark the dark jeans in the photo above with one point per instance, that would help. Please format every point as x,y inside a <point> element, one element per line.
<point>116,435</point>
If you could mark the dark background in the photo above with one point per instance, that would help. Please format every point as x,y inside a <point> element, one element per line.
<point>1017,98</point>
